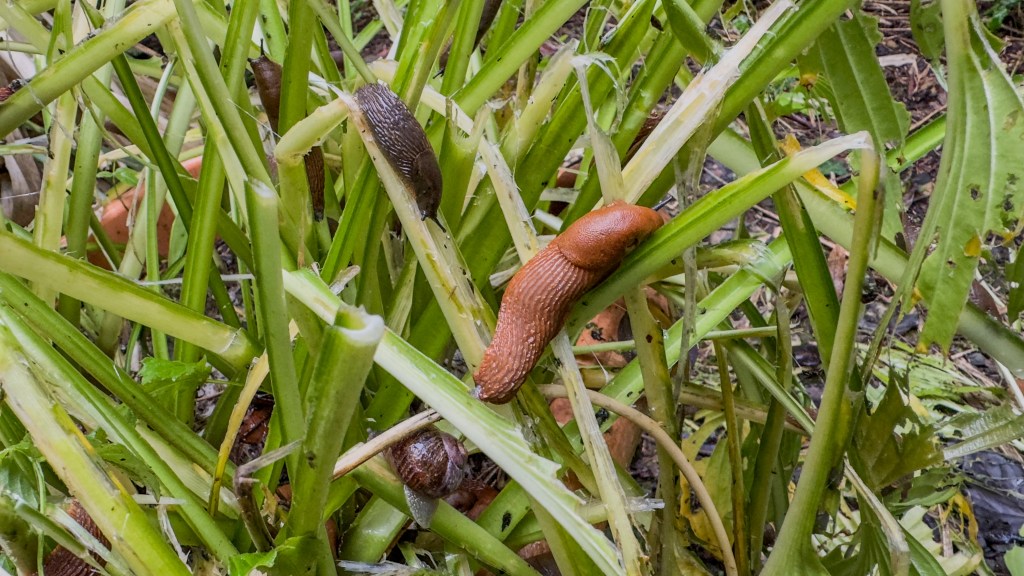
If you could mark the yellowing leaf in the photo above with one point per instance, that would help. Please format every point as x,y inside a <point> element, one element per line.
<point>973,247</point>
<point>790,145</point>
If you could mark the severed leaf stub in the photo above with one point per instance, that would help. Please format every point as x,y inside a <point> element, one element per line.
<point>404,144</point>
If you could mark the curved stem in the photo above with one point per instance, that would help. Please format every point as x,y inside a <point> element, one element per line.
<point>665,442</point>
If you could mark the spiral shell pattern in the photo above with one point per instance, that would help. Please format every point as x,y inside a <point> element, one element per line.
<point>429,462</point>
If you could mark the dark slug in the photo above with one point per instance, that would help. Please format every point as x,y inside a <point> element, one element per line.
<point>539,297</point>
<point>267,74</point>
<point>404,144</point>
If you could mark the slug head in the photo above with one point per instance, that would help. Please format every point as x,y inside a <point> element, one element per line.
<point>599,240</point>
<point>427,182</point>
<point>267,75</point>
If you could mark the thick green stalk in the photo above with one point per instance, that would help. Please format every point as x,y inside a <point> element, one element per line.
<point>521,46</point>
<point>273,314</point>
<point>650,348</point>
<point>203,229</point>
<point>340,370</point>
<point>766,462</point>
<point>832,427</point>
<point>49,218</point>
<point>53,432</point>
<point>83,185</point>
<point>215,99</point>
<point>344,38</point>
<point>84,59</point>
<point>85,354</point>
<point>124,298</point>
<point>67,381</point>
<point>461,46</point>
<point>734,437</point>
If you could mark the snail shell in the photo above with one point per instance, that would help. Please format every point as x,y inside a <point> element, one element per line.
<point>540,296</point>
<point>404,144</point>
<point>267,74</point>
<point>429,462</point>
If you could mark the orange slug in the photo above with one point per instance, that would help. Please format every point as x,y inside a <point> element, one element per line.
<point>404,144</point>
<point>539,297</point>
<point>267,74</point>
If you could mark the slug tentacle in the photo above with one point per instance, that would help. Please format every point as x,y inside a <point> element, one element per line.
<point>404,144</point>
<point>540,296</point>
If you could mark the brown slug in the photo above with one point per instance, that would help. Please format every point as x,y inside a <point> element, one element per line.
<point>404,144</point>
<point>429,462</point>
<point>541,294</point>
<point>490,10</point>
<point>267,74</point>
<point>63,562</point>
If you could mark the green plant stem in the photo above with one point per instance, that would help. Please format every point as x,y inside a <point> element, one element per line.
<point>341,367</point>
<point>215,100</point>
<point>343,38</point>
<point>272,311</point>
<point>733,440</point>
<point>88,398</point>
<point>658,391</point>
<point>112,509</point>
<point>83,353</point>
<point>124,298</point>
<point>203,229</point>
<point>522,45</point>
<point>765,464</point>
<point>461,46</point>
<point>448,523</point>
<point>83,185</point>
<point>834,415</point>
<point>50,211</point>
<point>84,59</point>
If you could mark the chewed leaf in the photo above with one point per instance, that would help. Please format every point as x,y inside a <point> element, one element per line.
<point>978,191</point>
<point>845,54</point>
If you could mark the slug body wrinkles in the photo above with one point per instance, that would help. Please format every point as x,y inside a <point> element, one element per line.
<point>540,296</point>
<point>404,144</point>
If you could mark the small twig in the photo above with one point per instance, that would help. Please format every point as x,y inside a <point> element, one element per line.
<point>360,453</point>
<point>257,528</point>
<point>665,442</point>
